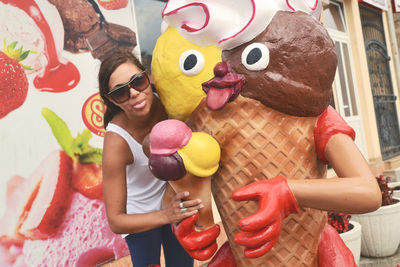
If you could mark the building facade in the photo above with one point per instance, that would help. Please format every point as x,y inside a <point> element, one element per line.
<point>366,86</point>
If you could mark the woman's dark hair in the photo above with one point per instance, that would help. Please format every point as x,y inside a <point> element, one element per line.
<point>110,62</point>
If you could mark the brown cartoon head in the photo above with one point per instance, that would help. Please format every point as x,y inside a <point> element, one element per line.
<point>289,67</point>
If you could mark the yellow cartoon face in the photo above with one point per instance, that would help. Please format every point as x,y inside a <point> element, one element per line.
<point>179,67</point>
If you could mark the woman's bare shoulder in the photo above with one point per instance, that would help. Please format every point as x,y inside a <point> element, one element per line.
<point>115,146</point>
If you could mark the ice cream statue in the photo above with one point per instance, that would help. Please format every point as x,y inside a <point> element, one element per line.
<point>268,108</point>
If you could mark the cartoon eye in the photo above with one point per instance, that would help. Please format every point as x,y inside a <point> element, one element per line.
<point>255,56</point>
<point>191,62</point>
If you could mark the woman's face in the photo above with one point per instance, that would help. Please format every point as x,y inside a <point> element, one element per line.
<point>139,102</point>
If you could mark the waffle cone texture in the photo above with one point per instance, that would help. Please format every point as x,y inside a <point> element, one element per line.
<point>260,143</point>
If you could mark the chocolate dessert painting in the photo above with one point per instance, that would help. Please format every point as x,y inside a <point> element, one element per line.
<point>51,129</point>
<point>55,26</point>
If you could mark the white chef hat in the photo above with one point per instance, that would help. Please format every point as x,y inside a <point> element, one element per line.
<point>229,23</point>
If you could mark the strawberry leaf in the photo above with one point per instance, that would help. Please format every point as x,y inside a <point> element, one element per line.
<point>81,142</point>
<point>60,131</point>
<point>26,67</point>
<point>78,149</point>
<point>84,137</point>
<point>17,54</point>
<point>12,45</point>
<point>25,54</point>
<point>91,155</point>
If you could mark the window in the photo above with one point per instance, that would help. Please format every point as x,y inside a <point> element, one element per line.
<point>344,82</point>
<point>334,18</point>
<point>344,86</point>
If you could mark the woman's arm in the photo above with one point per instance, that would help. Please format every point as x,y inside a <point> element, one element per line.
<point>356,191</point>
<point>116,155</point>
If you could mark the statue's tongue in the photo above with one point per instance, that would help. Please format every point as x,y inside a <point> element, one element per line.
<point>217,98</point>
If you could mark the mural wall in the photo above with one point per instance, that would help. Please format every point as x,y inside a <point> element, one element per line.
<point>51,129</point>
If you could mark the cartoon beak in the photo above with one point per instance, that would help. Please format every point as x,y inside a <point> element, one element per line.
<point>224,87</point>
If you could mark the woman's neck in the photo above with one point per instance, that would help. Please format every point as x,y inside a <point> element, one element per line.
<point>140,127</point>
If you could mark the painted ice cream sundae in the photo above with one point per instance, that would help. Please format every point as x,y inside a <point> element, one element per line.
<point>56,216</point>
<point>28,34</point>
<point>34,34</point>
<point>56,74</point>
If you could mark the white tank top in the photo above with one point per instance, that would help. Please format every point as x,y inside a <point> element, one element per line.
<point>144,191</point>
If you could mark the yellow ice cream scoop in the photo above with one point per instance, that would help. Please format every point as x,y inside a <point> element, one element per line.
<point>201,155</point>
<point>179,67</point>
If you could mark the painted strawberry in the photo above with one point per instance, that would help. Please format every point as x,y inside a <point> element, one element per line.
<point>13,81</point>
<point>113,4</point>
<point>86,167</point>
<point>87,179</point>
<point>17,200</point>
<point>35,206</point>
<point>52,197</point>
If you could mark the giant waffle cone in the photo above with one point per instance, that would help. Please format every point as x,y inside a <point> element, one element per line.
<point>260,143</point>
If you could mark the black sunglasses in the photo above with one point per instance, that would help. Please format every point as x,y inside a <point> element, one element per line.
<point>121,93</point>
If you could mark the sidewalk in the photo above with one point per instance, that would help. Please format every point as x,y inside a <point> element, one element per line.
<point>391,261</point>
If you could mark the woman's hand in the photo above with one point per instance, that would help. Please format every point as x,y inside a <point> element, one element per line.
<point>176,209</point>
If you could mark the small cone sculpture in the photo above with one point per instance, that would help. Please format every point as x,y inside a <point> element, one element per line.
<point>186,160</point>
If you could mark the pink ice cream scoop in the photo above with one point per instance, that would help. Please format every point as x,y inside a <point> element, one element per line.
<point>168,136</point>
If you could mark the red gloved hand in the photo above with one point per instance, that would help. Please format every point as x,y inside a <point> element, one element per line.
<point>200,245</point>
<point>262,229</point>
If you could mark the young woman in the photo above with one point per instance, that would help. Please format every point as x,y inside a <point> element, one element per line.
<point>132,195</point>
